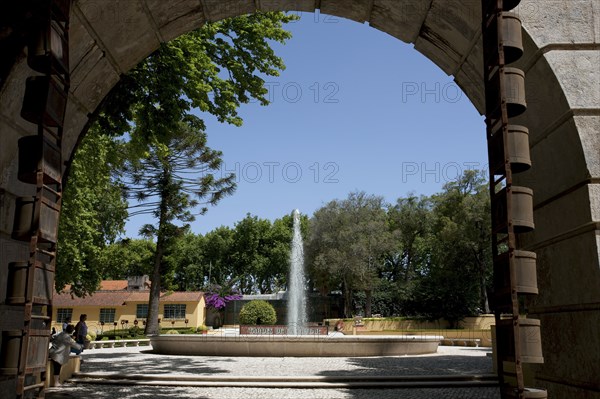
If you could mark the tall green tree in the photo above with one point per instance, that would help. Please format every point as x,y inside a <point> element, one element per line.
<point>453,285</point>
<point>127,257</point>
<point>348,240</point>
<point>93,214</point>
<point>214,69</point>
<point>169,183</point>
<point>410,222</point>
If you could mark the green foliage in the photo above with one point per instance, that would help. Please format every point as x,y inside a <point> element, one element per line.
<point>93,214</point>
<point>127,257</point>
<point>214,69</point>
<point>348,239</point>
<point>169,182</point>
<point>92,335</point>
<point>201,328</point>
<point>432,258</point>
<point>172,332</point>
<point>114,334</point>
<point>258,312</point>
<point>255,251</point>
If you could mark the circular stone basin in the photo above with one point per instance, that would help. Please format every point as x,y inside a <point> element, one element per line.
<point>294,345</point>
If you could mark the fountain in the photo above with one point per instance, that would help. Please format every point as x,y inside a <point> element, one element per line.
<point>298,341</point>
<point>296,306</point>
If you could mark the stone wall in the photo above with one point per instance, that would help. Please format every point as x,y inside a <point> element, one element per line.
<point>561,62</point>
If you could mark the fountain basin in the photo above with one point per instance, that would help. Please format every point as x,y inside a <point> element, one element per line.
<point>294,345</point>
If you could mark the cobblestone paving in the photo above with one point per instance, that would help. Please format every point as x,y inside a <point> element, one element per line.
<point>448,360</point>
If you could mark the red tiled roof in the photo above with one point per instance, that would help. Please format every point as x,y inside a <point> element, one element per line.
<point>193,296</point>
<point>119,298</point>
<point>139,296</point>
<point>100,298</point>
<point>113,285</point>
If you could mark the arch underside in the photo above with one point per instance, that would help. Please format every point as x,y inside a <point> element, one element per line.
<point>562,53</point>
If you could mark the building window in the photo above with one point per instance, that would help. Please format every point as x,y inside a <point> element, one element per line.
<point>107,315</point>
<point>141,311</point>
<point>64,314</point>
<point>176,311</point>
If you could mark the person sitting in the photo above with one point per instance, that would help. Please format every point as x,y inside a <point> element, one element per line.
<point>62,343</point>
<point>339,326</point>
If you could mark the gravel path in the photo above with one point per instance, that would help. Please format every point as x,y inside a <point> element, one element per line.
<point>448,360</point>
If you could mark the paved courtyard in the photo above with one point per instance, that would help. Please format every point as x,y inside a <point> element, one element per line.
<point>448,361</point>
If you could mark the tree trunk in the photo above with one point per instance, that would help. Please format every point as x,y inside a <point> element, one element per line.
<point>347,299</point>
<point>485,305</point>
<point>368,302</point>
<point>152,326</point>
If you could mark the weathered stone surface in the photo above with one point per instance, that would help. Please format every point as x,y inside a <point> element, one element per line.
<point>10,250</point>
<point>448,33</point>
<point>568,273</point>
<point>134,39</point>
<point>12,99</point>
<point>400,19</point>
<point>557,158</point>
<point>596,13</point>
<point>216,10</point>
<point>558,21</point>
<point>578,73</point>
<point>81,42</point>
<point>175,18</point>
<point>544,97</point>
<point>356,10</point>
<point>573,336</point>
<point>588,128</point>
<point>93,78</point>
<point>287,5</point>
<point>470,78</point>
<point>108,37</point>
<point>551,220</point>
<point>72,132</point>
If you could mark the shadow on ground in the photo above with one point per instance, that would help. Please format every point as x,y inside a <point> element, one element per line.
<point>442,365</point>
<point>131,364</point>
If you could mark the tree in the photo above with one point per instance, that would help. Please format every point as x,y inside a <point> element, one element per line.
<point>213,69</point>
<point>188,263</point>
<point>347,241</point>
<point>93,214</point>
<point>453,283</point>
<point>127,257</point>
<point>173,179</point>
<point>249,252</point>
<point>409,222</point>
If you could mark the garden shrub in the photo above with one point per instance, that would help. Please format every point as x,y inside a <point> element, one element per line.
<point>258,312</point>
<point>172,332</point>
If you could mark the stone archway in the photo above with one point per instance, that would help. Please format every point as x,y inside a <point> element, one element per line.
<point>562,51</point>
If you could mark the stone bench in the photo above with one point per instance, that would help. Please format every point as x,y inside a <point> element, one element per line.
<point>461,342</point>
<point>66,371</point>
<point>119,342</point>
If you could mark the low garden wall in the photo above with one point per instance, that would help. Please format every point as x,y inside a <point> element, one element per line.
<point>471,328</point>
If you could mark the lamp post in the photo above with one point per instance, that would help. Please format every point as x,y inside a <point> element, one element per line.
<point>102,327</point>
<point>115,330</point>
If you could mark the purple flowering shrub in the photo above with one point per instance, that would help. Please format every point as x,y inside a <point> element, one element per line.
<point>217,297</point>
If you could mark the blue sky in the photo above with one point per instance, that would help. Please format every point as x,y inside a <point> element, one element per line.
<point>356,109</point>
